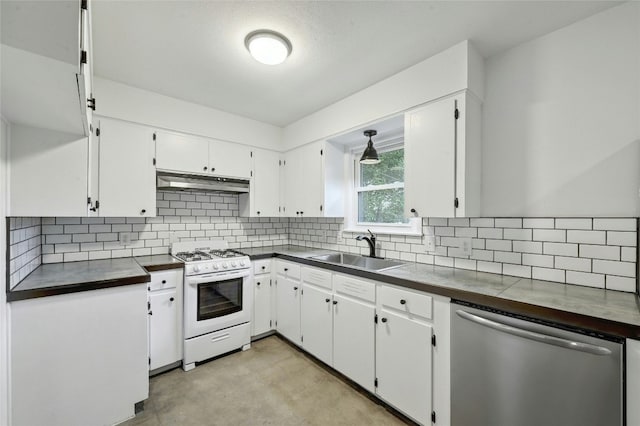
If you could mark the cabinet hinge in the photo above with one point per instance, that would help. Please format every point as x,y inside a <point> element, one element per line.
<point>83,56</point>
<point>89,200</point>
<point>91,103</point>
<point>154,161</point>
<point>456,114</point>
<point>97,131</point>
<point>83,4</point>
<point>251,154</point>
<point>375,318</point>
<point>97,204</point>
<point>433,340</point>
<point>149,360</point>
<point>270,322</point>
<point>279,162</point>
<point>302,338</point>
<point>148,305</point>
<point>456,203</point>
<point>251,173</point>
<point>276,323</point>
<point>154,136</point>
<point>320,207</point>
<point>433,417</point>
<point>269,282</point>
<point>301,291</point>
<point>375,383</point>
<point>321,152</point>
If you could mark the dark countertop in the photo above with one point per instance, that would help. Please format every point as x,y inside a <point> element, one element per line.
<point>62,278</point>
<point>605,311</point>
<point>159,262</point>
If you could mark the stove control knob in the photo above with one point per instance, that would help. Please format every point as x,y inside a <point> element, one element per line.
<point>233,264</point>
<point>242,263</point>
<point>215,266</point>
<point>195,268</point>
<point>225,265</point>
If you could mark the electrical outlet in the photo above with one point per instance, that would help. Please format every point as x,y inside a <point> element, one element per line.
<point>125,238</point>
<point>431,243</point>
<point>465,246</point>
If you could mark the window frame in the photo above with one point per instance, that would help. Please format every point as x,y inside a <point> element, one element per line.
<point>414,225</point>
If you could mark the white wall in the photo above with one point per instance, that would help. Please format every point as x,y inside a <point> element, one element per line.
<point>454,69</point>
<point>4,370</point>
<point>129,103</point>
<point>561,131</point>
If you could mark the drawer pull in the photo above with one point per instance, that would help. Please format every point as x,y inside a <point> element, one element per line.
<point>264,267</point>
<point>171,299</point>
<point>258,283</point>
<point>383,320</point>
<point>403,302</point>
<point>286,269</point>
<point>327,300</point>
<point>164,281</point>
<point>295,288</point>
<point>335,302</point>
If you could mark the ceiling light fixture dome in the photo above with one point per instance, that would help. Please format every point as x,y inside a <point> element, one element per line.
<point>268,47</point>
<point>370,155</point>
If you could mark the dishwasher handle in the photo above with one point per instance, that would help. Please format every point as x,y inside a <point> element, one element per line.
<point>532,335</point>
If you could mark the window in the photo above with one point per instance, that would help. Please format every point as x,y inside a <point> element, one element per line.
<point>377,202</point>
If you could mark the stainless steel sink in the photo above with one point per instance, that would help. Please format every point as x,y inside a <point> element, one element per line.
<point>369,263</point>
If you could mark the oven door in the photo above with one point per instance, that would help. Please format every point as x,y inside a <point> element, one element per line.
<point>216,301</point>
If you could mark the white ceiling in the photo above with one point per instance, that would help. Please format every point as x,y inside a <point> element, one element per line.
<point>194,50</point>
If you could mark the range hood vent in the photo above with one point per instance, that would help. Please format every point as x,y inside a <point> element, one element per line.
<point>183,182</point>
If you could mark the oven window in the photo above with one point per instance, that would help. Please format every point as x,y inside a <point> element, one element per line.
<point>219,298</point>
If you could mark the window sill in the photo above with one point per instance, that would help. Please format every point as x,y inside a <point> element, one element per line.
<point>385,231</point>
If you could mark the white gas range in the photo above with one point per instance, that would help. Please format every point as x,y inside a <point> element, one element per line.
<point>217,299</point>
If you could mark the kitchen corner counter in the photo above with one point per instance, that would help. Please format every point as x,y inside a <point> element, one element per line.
<point>62,278</point>
<point>604,311</point>
<point>159,262</point>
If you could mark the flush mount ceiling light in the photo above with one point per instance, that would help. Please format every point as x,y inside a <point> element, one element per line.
<point>370,155</point>
<point>268,47</point>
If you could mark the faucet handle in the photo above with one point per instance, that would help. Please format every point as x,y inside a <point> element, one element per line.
<point>371,233</point>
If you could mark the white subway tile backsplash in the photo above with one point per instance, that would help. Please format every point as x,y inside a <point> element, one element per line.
<point>625,269</point>
<point>616,238</point>
<point>508,222</point>
<point>600,252</point>
<point>548,274</point>
<point>573,263</point>
<point>507,257</point>
<point>491,267</point>
<point>551,235</point>
<point>577,223</point>
<point>628,254</point>
<point>539,223</point>
<point>620,283</point>
<point>516,270</point>
<point>615,224</point>
<point>586,237</point>
<point>502,245</point>
<point>517,234</point>
<point>540,260</point>
<point>482,222</point>
<point>586,279</point>
<point>527,246</point>
<point>491,233</point>
<point>560,249</point>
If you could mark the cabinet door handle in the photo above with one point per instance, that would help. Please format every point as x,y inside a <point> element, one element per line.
<point>286,269</point>
<point>301,212</point>
<point>403,302</point>
<point>204,168</point>
<point>164,281</point>
<point>258,283</point>
<point>264,267</point>
<point>327,300</point>
<point>258,212</point>
<point>150,312</point>
<point>171,299</point>
<point>295,288</point>
<point>383,320</point>
<point>213,169</point>
<point>143,211</point>
<point>335,302</point>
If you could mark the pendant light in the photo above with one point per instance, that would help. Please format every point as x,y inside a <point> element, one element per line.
<point>370,155</point>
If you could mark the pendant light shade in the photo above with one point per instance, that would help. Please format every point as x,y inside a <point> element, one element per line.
<point>370,155</point>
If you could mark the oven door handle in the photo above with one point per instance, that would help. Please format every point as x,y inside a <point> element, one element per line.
<point>216,277</point>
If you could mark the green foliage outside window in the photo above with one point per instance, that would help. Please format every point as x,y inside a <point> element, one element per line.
<point>385,204</point>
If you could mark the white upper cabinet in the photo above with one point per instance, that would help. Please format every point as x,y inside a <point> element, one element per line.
<point>264,198</point>
<point>176,152</point>
<point>182,153</point>
<point>47,173</point>
<point>41,62</point>
<point>229,159</point>
<point>127,174</point>
<point>314,181</point>
<point>442,158</point>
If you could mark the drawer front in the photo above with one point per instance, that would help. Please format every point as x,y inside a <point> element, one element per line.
<point>406,301</point>
<point>165,279</point>
<point>354,287</point>
<point>290,270</point>
<point>318,277</point>
<point>262,266</point>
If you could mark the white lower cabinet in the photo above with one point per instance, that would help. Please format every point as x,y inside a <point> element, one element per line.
<point>262,321</point>
<point>317,322</point>
<point>354,340</point>
<point>165,318</point>
<point>403,364</point>
<point>288,301</point>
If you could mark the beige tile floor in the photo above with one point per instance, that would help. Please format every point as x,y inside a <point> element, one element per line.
<point>270,384</point>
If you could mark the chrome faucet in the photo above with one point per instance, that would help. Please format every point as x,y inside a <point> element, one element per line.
<point>371,241</point>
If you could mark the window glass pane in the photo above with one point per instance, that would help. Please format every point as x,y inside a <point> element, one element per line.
<point>382,206</point>
<point>389,170</point>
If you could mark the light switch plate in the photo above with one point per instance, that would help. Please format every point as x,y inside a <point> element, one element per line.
<point>465,245</point>
<point>431,243</point>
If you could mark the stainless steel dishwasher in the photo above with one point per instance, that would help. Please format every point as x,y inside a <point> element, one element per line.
<point>508,370</point>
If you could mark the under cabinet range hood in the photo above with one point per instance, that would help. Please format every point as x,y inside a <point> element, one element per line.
<point>183,182</point>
